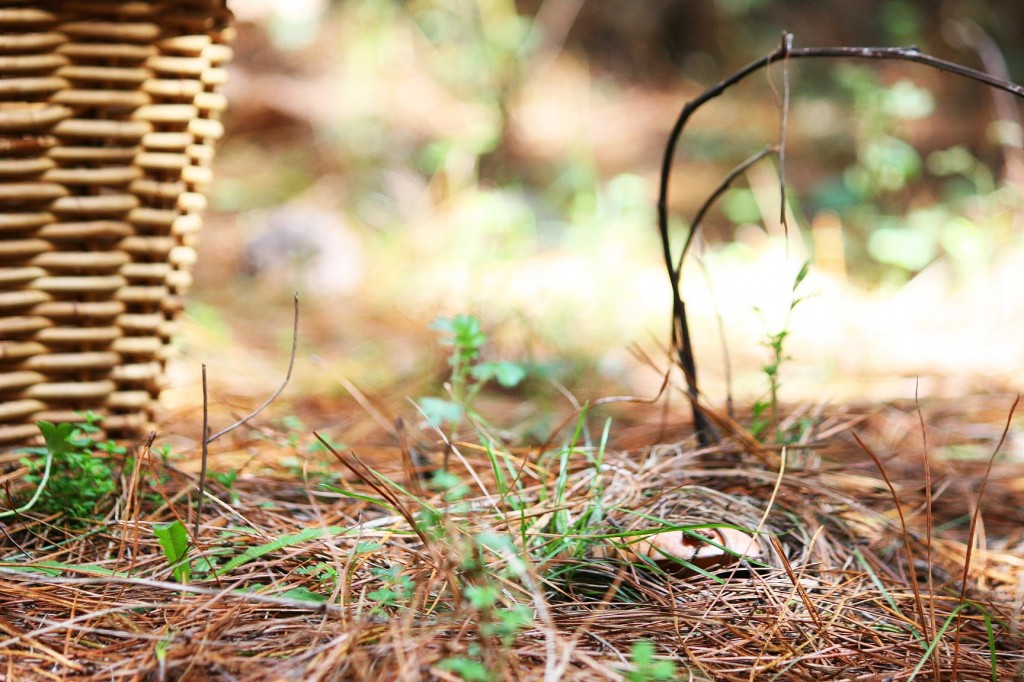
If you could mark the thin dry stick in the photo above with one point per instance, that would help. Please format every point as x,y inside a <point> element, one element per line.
<point>207,438</point>
<point>927,521</point>
<point>280,389</point>
<point>724,185</point>
<point>206,453</point>
<point>787,45</point>
<point>918,601</point>
<point>680,326</point>
<point>970,536</point>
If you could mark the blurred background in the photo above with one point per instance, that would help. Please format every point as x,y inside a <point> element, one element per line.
<point>398,161</point>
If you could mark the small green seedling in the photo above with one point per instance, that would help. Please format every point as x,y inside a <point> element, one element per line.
<point>468,375</point>
<point>323,573</point>
<point>69,476</point>
<point>645,667</point>
<point>226,479</point>
<point>468,669</point>
<point>766,412</point>
<point>173,539</point>
<point>396,587</point>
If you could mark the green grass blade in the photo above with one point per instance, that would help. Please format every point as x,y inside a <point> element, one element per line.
<point>280,543</point>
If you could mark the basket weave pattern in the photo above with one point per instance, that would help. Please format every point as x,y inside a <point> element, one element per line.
<point>108,114</point>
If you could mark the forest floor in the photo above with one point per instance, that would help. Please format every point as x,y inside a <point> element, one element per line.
<point>880,543</point>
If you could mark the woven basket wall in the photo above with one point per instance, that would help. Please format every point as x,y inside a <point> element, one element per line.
<point>108,114</point>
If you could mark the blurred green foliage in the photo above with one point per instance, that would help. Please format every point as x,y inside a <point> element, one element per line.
<point>480,54</point>
<point>500,157</point>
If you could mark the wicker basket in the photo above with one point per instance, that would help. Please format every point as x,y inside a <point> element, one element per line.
<point>108,114</point>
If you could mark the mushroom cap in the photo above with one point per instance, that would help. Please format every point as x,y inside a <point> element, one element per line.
<point>730,545</point>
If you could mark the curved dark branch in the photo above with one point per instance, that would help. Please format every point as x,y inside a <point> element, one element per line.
<point>680,328</point>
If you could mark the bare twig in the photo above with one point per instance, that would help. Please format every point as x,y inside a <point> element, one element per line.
<point>787,45</point>
<point>929,559</point>
<point>207,439</point>
<point>691,370</point>
<point>280,389</point>
<point>724,185</point>
<point>206,454</point>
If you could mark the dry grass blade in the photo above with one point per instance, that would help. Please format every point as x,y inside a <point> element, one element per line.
<point>971,533</point>
<point>924,622</point>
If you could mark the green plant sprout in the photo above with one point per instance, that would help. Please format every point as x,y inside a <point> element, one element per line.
<point>227,479</point>
<point>323,573</point>
<point>765,412</point>
<point>69,478</point>
<point>483,591</point>
<point>469,669</point>
<point>396,587</point>
<point>468,375</point>
<point>160,651</point>
<point>645,667</point>
<point>173,539</point>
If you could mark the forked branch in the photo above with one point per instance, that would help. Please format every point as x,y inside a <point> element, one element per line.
<point>680,327</point>
<point>207,438</point>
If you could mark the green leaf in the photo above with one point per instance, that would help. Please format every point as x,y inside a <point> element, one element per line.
<point>56,436</point>
<point>225,478</point>
<point>45,570</point>
<point>450,484</point>
<point>303,594</point>
<point>357,496</point>
<point>482,596</point>
<point>646,667</point>
<point>444,480</point>
<point>802,275</point>
<point>280,543</point>
<point>385,596</point>
<point>510,622</point>
<point>173,539</point>
<point>484,372</point>
<point>56,568</point>
<point>509,374</point>
<point>496,541</point>
<point>205,564</point>
<point>162,646</point>
<point>469,336</point>
<point>440,412</point>
<point>467,669</point>
<point>366,546</point>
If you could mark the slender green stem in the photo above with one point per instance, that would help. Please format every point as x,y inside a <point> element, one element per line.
<point>39,491</point>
